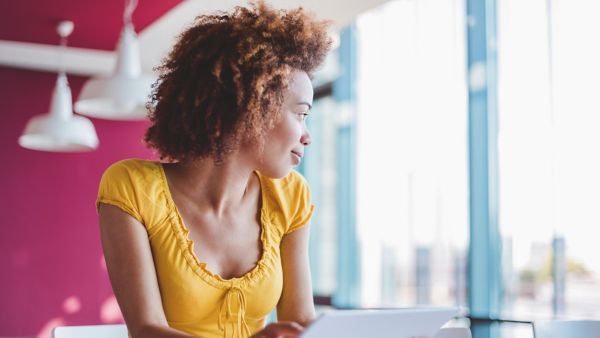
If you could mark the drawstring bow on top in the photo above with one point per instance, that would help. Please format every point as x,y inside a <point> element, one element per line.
<point>230,319</point>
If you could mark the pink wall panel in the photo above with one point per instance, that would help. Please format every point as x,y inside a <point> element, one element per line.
<point>51,265</point>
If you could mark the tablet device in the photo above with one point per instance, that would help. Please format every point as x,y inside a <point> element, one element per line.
<point>384,323</point>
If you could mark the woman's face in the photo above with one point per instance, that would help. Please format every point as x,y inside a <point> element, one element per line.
<point>285,143</point>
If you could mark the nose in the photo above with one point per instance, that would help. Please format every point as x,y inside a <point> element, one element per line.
<point>305,139</point>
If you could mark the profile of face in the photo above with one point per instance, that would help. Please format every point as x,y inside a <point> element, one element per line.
<point>285,143</point>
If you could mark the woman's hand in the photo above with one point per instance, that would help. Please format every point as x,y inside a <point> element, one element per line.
<point>280,329</point>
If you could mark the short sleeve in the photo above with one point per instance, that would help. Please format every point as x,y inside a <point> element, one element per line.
<point>301,200</point>
<point>117,187</point>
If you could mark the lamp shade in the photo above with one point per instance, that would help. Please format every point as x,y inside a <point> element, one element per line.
<point>60,130</point>
<point>122,96</point>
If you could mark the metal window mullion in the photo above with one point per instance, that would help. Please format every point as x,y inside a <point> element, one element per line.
<point>311,168</point>
<point>348,257</point>
<point>484,243</point>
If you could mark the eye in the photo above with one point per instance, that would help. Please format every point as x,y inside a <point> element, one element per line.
<point>303,116</point>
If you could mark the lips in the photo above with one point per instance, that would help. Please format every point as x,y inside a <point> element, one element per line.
<point>297,153</point>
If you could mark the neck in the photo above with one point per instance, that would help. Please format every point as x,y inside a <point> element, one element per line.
<point>217,189</point>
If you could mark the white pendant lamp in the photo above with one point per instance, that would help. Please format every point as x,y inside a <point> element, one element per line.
<point>122,96</point>
<point>60,130</point>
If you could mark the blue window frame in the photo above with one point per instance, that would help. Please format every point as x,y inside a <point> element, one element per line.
<point>484,244</point>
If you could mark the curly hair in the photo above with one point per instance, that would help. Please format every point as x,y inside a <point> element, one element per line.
<point>223,82</point>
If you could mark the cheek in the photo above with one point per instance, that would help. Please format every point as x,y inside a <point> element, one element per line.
<point>294,130</point>
<point>289,131</point>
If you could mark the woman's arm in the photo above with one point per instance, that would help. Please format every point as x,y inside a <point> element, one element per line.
<point>132,275</point>
<point>296,302</point>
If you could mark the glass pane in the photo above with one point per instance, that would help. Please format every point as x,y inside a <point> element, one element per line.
<point>411,182</point>
<point>549,156</point>
<point>319,169</point>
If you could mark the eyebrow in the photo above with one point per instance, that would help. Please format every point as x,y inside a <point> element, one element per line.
<point>306,103</point>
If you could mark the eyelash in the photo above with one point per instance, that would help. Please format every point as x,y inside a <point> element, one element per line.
<point>304,116</point>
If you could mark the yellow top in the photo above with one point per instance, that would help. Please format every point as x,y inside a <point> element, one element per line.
<point>194,299</point>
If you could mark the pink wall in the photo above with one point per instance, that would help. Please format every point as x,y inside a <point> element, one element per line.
<point>51,265</point>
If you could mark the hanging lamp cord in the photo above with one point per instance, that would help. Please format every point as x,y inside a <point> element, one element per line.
<point>130,6</point>
<point>64,29</point>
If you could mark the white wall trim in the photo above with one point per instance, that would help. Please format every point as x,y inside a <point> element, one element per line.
<point>36,56</point>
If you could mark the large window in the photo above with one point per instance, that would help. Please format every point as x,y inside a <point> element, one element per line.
<point>549,156</point>
<point>407,116</point>
<point>389,166</point>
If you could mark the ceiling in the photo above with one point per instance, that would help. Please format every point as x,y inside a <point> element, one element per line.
<point>28,35</point>
<point>97,23</point>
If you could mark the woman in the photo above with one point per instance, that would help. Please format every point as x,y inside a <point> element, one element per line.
<point>209,242</point>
